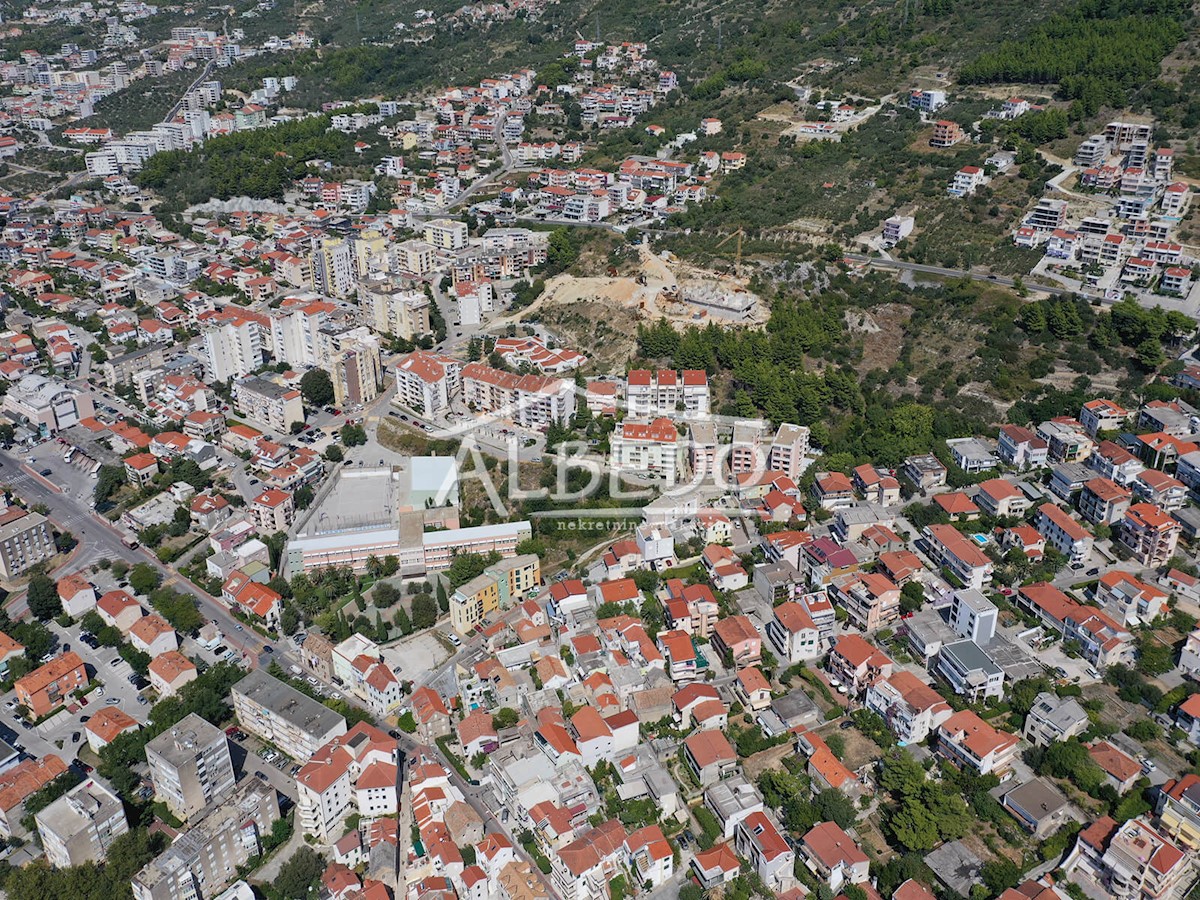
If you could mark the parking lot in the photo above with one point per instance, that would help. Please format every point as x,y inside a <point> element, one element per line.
<point>63,733</point>
<point>415,656</point>
<point>250,759</point>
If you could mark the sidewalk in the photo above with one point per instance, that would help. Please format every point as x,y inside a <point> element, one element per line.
<point>269,872</point>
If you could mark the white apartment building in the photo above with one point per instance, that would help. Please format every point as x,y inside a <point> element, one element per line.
<point>190,766</point>
<point>80,825</point>
<point>425,382</point>
<point>911,708</point>
<point>333,267</point>
<point>354,772</point>
<point>788,450</point>
<point>973,616</point>
<point>646,447</point>
<point>295,333</point>
<point>232,348</point>
<point>277,712</point>
<point>201,862</point>
<point>532,401</point>
<point>1063,533</point>
<point>793,634</point>
<point>268,403</point>
<point>446,234</point>
<point>394,310</point>
<point>666,392</point>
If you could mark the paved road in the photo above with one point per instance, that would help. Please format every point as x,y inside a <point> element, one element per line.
<point>506,165</point>
<point>99,539</point>
<point>899,265</point>
<point>208,67</point>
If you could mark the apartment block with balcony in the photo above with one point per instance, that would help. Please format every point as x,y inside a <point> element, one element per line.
<point>1063,533</point>
<point>911,708</point>
<point>81,825</point>
<point>1179,811</point>
<point>190,766</point>
<point>268,403</point>
<point>949,547</point>
<point>1149,534</point>
<point>1130,861</point>
<point>280,714</point>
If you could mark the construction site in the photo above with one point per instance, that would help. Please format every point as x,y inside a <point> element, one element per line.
<point>661,287</point>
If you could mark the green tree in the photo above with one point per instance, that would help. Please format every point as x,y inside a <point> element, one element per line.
<point>144,578</point>
<point>466,566</point>
<point>109,480</point>
<point>1154,657</point>
<point>913,825</point>
<point>299,873</point>
<point>353,435</point>
<point>912,597</point>
<point>316,387</point>
<point>43,599</point>
<point>834,806</point>
<point>178,609</point>
<point>1000,874</point>
<point>424,611</point>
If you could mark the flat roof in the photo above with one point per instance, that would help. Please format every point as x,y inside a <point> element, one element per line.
<point>1039,798</point>
<point>185,739</point>
<point>283,700</point>
<point>476,533</point>
<point>972,657</point>
<point>21,525</point>
<point>974,600</point>
<point>360,499</point>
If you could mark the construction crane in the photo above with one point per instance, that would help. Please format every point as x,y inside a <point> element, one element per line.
<point>737,261</point>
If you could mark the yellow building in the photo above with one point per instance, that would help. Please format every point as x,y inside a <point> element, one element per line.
<point>473,601</point>
<point>518,577</point>
<point>1179,811</point>
<point>499,587</point>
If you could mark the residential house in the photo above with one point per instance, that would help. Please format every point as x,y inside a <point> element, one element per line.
<point>1053,718</point>
<point>911,708</point>
<point>833,856</point>
<point>49,686</point>
<point>967,740</point>
<point>709,755</point>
